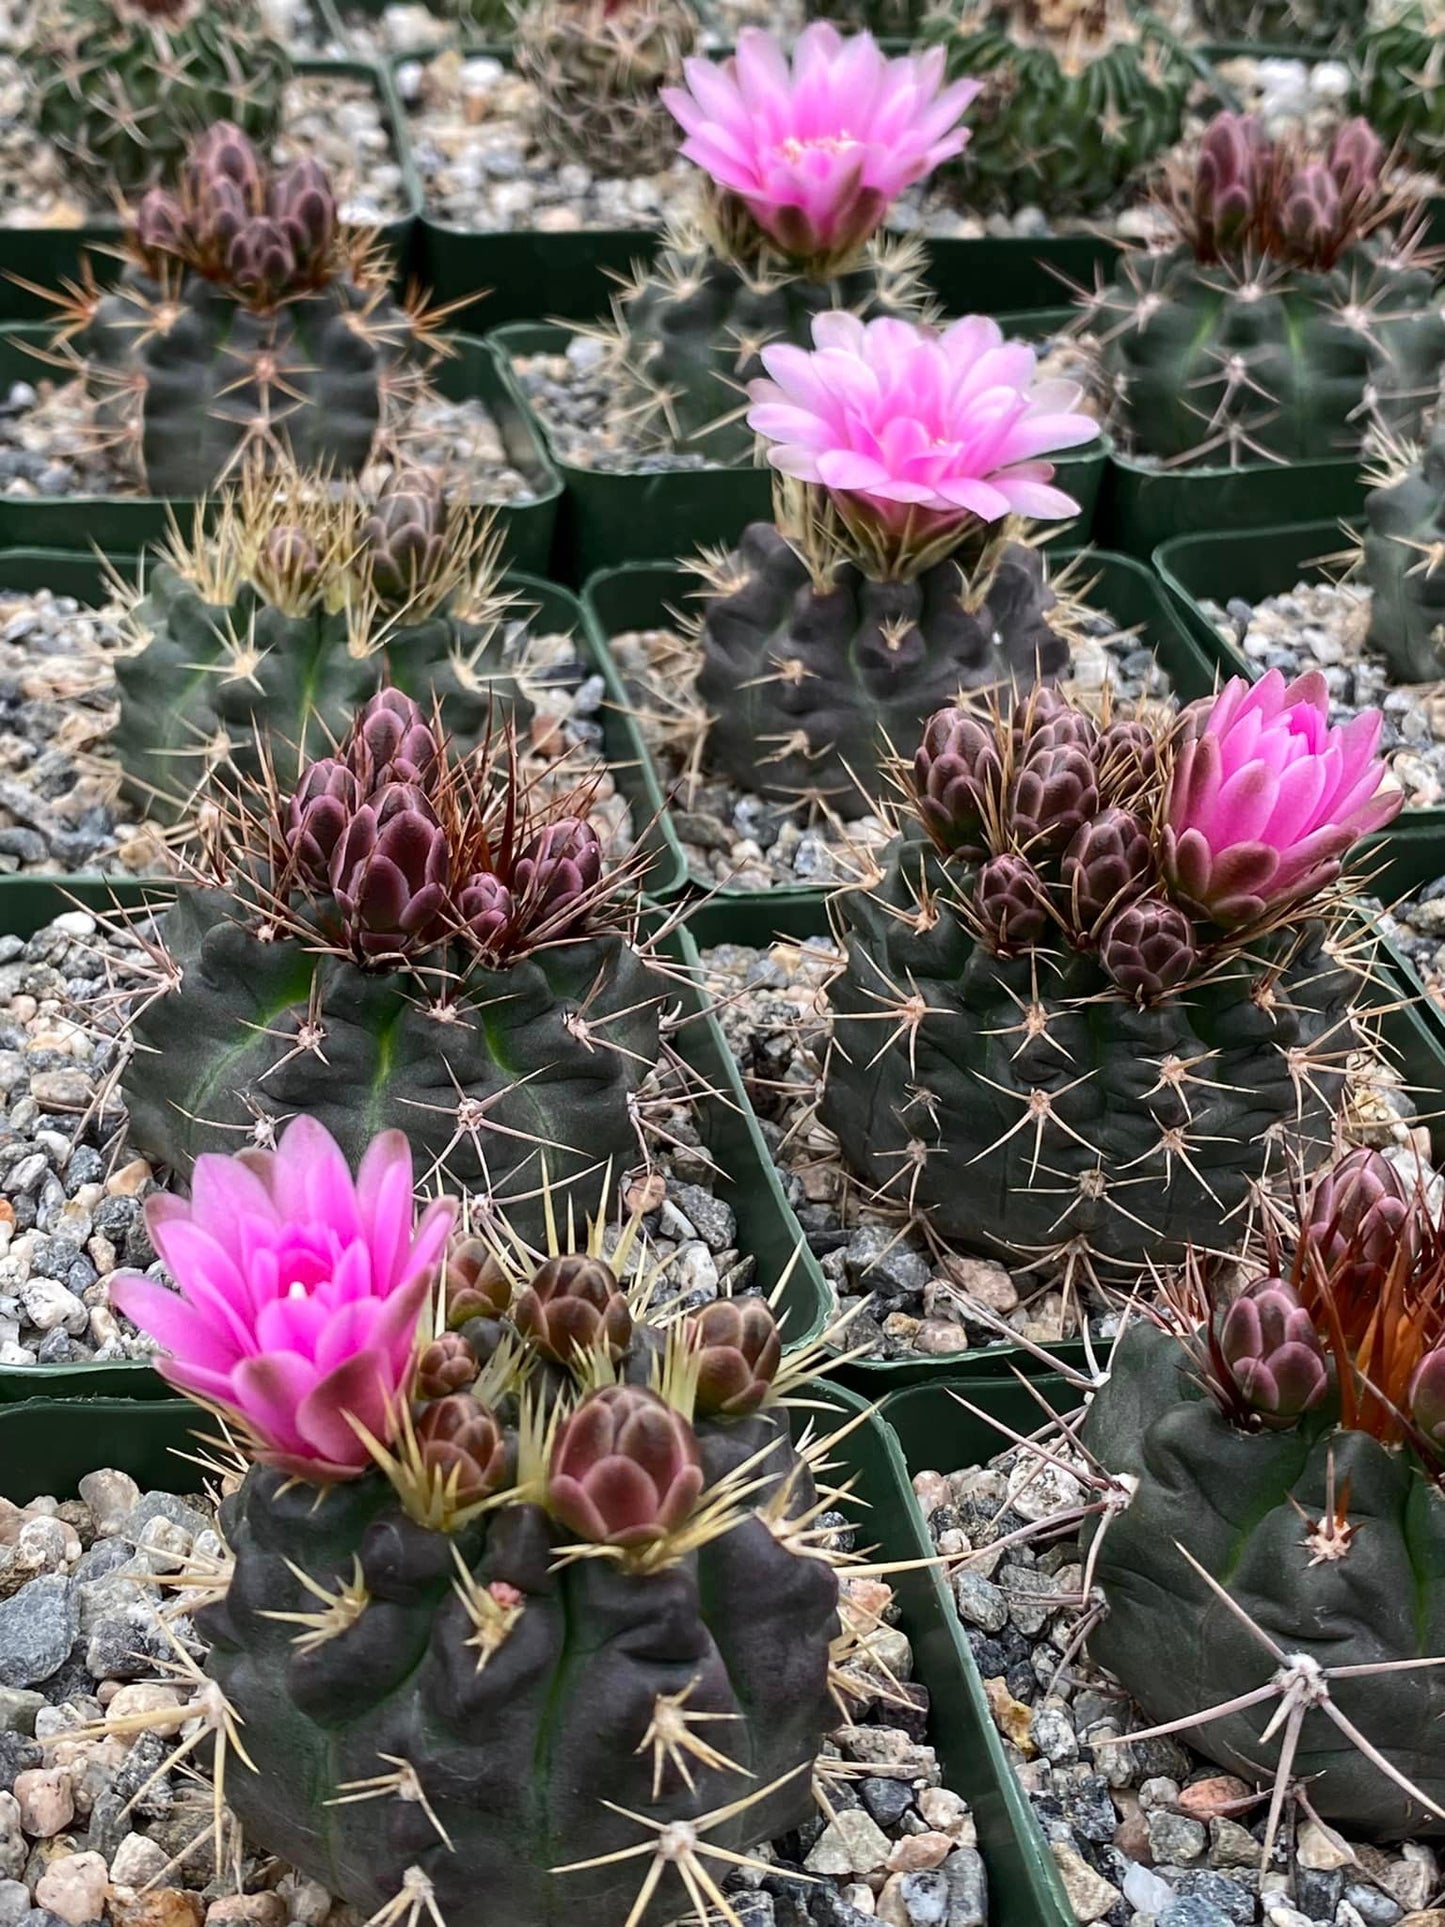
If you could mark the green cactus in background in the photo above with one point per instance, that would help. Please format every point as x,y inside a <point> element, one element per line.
<point>1313,23</point>
<point>1399,79</point>
<point>282,614</point>
<point>598,68</point>
<point>407,941</point>
<point>1275,1516</point>
<point>589,1587</point>
<point>1404,550</point>
<point>1039,1043</point>
<point>122,86</point>
<point>245,327</point>
<point>1288,320</point>
<point>1079,98</point>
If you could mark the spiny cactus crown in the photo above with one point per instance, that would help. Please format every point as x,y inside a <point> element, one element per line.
<point>1247,198</point>
<point>392,846</point>
<point>265,234</point>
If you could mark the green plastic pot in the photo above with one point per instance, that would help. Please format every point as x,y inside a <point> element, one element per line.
<point>124,523</point>
<point>645,595</point>
<point>609,518</point>
<point>50,256</point>
<point>44,1450</point>
<point>1144,506</point>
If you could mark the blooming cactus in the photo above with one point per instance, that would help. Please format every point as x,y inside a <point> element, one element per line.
<point>300,1291</point>
<point>915,432</point>
<point>816,151</point>
<point>1266,797</point>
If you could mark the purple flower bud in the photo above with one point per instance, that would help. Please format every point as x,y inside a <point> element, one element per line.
<point>260,262</point>
<point>1427,1397</point>
<point>1273,1352</point>
<point>392,742</point>
<point>1010,903</point>
<point>1357,1218</point>
<point>486,908</point>
<point>557,869</point>
<point>317,817</point>
<point>1148,949</point>
<point>1108,863</point>
<point>391,872</point>
<point>956,777</point>
<point>1054,792</point>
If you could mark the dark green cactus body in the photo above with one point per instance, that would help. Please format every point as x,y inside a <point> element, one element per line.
<point>1315,23</point>
<point>191,392</point>
<point>185,700</point>
<point>948,1113</point>
<point>1224,367</point>
<point>682,326</point>
<point>1405,567</point>
<point>885,19</point>
<point>517,1755</point>
<point>812,692</point>
<point>1061,124</point>
<point>1233,1499</point>
<point>225,1047</point>
<point>121,90</point>
<point>1399,81</point>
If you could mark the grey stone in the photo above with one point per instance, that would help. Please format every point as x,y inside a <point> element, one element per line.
<point>163,1505</point>
<point>967,1888</point>
<point>1174,1838</point>
<point>979,1601</point>
<point>1189,1910</point>
<point>1230,1899</point>
<point>925,1898</point>
<point>128,1644</point>
<point>14,1902</point>
<point>714,1221</point>
<point>1376,1909</point>
<point>38,1625</point>
<point>18,1709</point>
<point>886,1800</point>
<point>881,1265</point>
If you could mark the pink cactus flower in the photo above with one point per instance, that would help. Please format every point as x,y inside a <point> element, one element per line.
<point>1266,797</point>
<point>818,150</point>
<point>300,1291</point>
<point>920,430</point>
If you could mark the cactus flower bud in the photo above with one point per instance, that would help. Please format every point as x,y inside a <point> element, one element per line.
<point>739,1349</point>
<point>1232,156</point>
<point>487,908</point>
<point>160,224</point>
<point>405,535</point>
<point>390,873</point>
<point>456,1435</point>
<point>317,817</point>
<point>1126,756</point>
<point>1357,159</point>
<point>625,1468</point>
<point>558,868</point>
<point>1048,720</point>
<point>260,262</point>
<point>447,1365</point>
<point>574,1304</point>
<point>1009,901</point>
<point>289,561</point>
<point>222,155</point>
<point>1426,1399</point>
<point>391,742</point>
<point>956,776</point>
<point>1054,792</point>
<point>1148,949</point>
<point>1273,1351</point>
<point>1108,863</point>
<point>1357,1217</point>
<point>301,200</point>
<point>474,1285</point>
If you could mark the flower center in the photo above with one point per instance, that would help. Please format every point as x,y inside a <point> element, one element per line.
<point>795,149</point>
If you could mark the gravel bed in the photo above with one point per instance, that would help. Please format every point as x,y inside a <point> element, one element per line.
<point>1148,1834</point>
<point>1417,927</point>
<point>471,137</point>
<point>48,446</point>
<point>733,837</point>
<point>574,396</point>
<point>336,118</point>
<point>1322,625</point>
<point>60,811</point>
<point>926,1297</point>
<point>80,1638</point>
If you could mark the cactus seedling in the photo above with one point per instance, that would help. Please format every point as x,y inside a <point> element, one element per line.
<point>1097,991</point>
<point>1289,319</point>
<point>120,86</point>
<point>278,617</point>
<point>893,576</point>
<point>553,1638</point>
<point>245,326</point>
<point>407,940</point>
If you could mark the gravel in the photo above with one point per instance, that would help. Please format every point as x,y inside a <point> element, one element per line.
<point>589,424</point>
<point>925,1296</point>
<point>77,1575</point>
<point>337,119</point>
<point>1149,1834</point>
<point>1322,625</point>
<point>733,837</point>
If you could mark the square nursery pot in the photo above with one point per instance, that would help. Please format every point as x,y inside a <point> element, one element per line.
<point>1258,563</point>
<point>609,518</point>
<point>646,595</point>
<point>50,256</point>
<point>124,522</point>
<point>501,275</point>
<point>1143,505</point>
<point>44,1450</point>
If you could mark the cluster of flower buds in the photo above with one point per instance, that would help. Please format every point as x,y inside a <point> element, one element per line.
<point>266,235</point>
<point>1251,198</point>
<point>1089,831</point>
<point>1274,1354</point>
<point>388,829</point>
<point>406,539</point>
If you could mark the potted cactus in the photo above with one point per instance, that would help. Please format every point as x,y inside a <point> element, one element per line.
<point>1282,22</point>
<point>1399,83</point>
<point>427,930</point>
<point>1097,990</point>
<point>598,69</point>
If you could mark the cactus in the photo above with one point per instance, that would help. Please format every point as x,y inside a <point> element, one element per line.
<point>1276,1517</point>
<point>598,68</point>
<point>1404,550</point>
<point>120,86</point>
<point>1399,79</point>
<point>407,940</point>
<point>1313,23</point>
<point>1079,98</point>
<point>1289,319</point>
<point>289,604</point>
<point>1056,1031</point>
<point>244,327</point>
